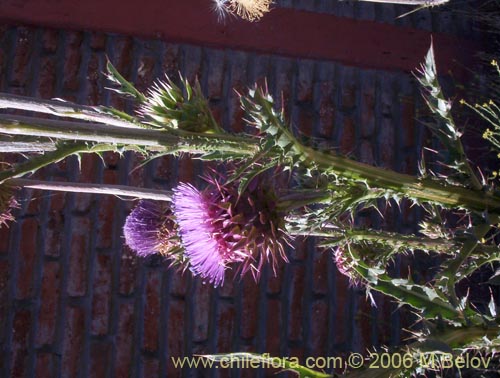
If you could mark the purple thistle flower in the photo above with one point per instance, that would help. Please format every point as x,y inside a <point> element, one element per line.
<point>149,229</point>
<point>218,227</point>
<point>197,214</point>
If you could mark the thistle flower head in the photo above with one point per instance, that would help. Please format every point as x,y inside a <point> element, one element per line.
<point>218,227</point>
<point>149,229</point>
<point>7,203</point>
<point>251,10</point>
<point>186,109</point>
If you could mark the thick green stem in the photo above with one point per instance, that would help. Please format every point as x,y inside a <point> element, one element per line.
<point>153,140</point>
<point>25,144</point>
<point>117,190</point>
<point>426,190</point>
<point>300,199</point>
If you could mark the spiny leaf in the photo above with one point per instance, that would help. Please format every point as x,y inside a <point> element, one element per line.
<point>125,87</point>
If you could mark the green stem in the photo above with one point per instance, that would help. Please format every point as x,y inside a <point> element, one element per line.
<point>449,275</point>
<point>426,190</point>
<point>25,144</point>
<point>117,190</point>
<point>300,199</point>
<point>153,140</point>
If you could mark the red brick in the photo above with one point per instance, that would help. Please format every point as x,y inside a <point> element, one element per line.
<point>201,316</point>
<point>348,138</point>
<point>296,305</point>
<point>192,60</point>
<point>136,173</point>
<point>47,77</point>
<point>305,120</point>
<point>170,65</point>
<point>366,152</point>
<point>326,110</point>
<point>71,362</point>
<point>300,249</point>
<point>110,176</point>
<point>100,359</point>
<point>152,311</point>
<point>348,88</point>
<point>4,287</point>
<point>72,60</point>
<point>145,73</point>
<point>150,367</point>
<point>318,336</point>
<point>128,270</point>
<point>101,297</point>
<point>4,238</point>
<point>78,260</point>
<point>320,271</point>
<point>305,76</point>
<point>228,290</point>
<point>408,120</point>
<point>123,47</point>
<point>224,324</point>
<point>88,167</point>
<point>111,160</point>
<point>175,334</point>
<point>2,68</point>
<point>94,89</point>
<point>43,366</point>
<point>49,40</point>
<point>387,143</point>
<point>273,326</point>
<point>124,340</point>
<point>21,330</point>
<point>340,320</point>
<point>282,92</point>
<point>105,220</point>
<point>55,225</point>
<point>275,282</point>
<point>249,308</point>
<point>186,170</point>
<point>22,57</point>
<point>27,255</point>
<point>49,298</point>
<point>34,202</point>
<point>364,322</point>
<point>261,66</point>
<point>386,91</point>
<point>215,74</point>
<point>238,84</point>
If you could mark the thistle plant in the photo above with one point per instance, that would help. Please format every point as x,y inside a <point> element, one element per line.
<point>244,219</point>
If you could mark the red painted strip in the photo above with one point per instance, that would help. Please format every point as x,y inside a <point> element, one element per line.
<point>282,31</point>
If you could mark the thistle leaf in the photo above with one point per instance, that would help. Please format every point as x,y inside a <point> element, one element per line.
<point>125,87</point>
<point>444,128</point>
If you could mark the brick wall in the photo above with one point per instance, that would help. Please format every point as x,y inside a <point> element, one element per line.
<point>75,302</point>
